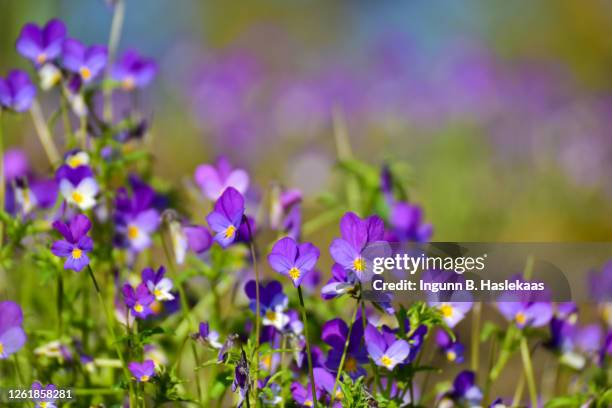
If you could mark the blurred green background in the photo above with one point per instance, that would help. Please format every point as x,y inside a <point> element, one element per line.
<point>503,110</point>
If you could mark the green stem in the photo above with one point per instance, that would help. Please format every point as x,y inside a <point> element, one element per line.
<point>475,340</point>
<point>44,135</point>
<point>113,43</point>
<point>109,324</point>
<point>257,303</point>
<point>518,393</point>
<point>342,359</point>
<point>60,305</point>
<point>308,353</point>
<point>531,385</point>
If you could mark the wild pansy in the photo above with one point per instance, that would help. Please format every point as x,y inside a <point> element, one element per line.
<point>87,62</point>
<point>30,194</point>
<point>302,395</point>
<point>17,92</point>
<point>525,313</point>
<point>334,333</point>
<point>214,180</point>
<point>384,348</point>
<point>135,218</point>
<point>76,158</point>
<point>47,402</point>
<point>600,288</point>
<point>188,237</point>
<point>574,343</point>
<point>453,305</point>
<point>49,75</point>
<point>132,70</point>
<point>242,380</point>
<point>210,337</point>
<point>16,164</point>
<point>139,301</point>
<point>158,284</point>
<point>292,259</point>
<point>76,244</point>
<point>465,392</point>
<point>227,216</point>
<point>12,336</point>
<point>78,186</point>
<point>41,44</point>
<point>452,350</point>
<point>286,212</point>
<point>54,349</point>
<point>342,281</point>
<point>356,234</point>
<point>142,372</point>
<point>407,224</point>
<point>272,303</point>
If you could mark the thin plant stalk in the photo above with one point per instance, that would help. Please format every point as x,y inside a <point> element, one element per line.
<point>109,324</point>
<point>475,340</point>
<point>518,393</point>
<point>60,305</point>
<point>113,43</point>
<point>44,134</point>
<point>372,364</point>
<point>344,351</point>
<point>257,302</point>
<point>528,366</point>
<point>308,352</point>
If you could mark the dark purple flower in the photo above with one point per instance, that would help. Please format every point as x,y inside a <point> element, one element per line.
<point>575,343</point>
<point>384,348</point>
<point>227,216</point>
<point>135,219</point>
<point>41,44</point>
<point>214,180</point>
<point>242,380</point>
<point>47,402</point>
<point>12,336</point>
<point>334,333</point>
<point>17,92</point>
<point>88,62</point>
<point>356,234</point>
<point>138,301</point>
<point>210,337</point>
<point>76,244</point>
<point>293,260</point>
<point>465,391</point>
<point>16,164</point>
<point>342,281</point>
<point>133,70</point>
<point>453,350</point>
<point>157,284</point>
<point>272,303</point>
<point>303,395</point>
<point>142,372</point>
<point>33,193</point>
<point>407,223</point>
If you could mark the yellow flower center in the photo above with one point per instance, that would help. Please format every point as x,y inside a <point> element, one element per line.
<point>138,307</point>
<point>128,83</point>
<point>359,264</point>
<point>451,356</point>
<point>1,348</point>
<point>157,292</point>
<point>77,197</point>
<point>270,314</point>
<point>520,318</point>
<point>43,404</point>
<point>41,58</point>
<point>144,378</point>
<point>26,196</point>
<point>267,361</point>
<point>308,403</point>
<point>350,365</point>
<point>386,361</point>
<point>133,232</point>
<point>294,273</point>
<point>85,73</point>
<point>74,162</point>
<point>446,310</point>
<point>230,231</point>
<point>77,253</point>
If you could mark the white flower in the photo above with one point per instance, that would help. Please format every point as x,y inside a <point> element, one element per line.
<point>77,159</point>
<point>49,75</point>
<point>83,195</point>
<point>161,290</point>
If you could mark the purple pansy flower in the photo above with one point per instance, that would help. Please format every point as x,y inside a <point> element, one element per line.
<point>76,244</point>
<point>286,212</point>
<point>211,337</point>
<point>138,301</point>
<point>41,44</point>
<point>157,284</point>
<point>334,333</point>
<point>303,394</point>
<point>407,223</point>
<point>465,391</point>
<point>17,91</point>
<point>575,343</point>
<point>16,164</point>
<point>356,234</point>
<point>242,380</point>
<point>526,314</point>
<point>78,186</point>
<point>342,281</point>
<point>272,303</point>
<point>188,237</point>
<point>88,62</point>
<point>293,260</point>
<point>135,218</point>
<point>44,402</point>
<point>384,348</point>
<point>12,336</point>
<point>227,216</point>
<point>133,71</point>
<point>214,180</point>
<point>142,372</point>
<point>452,350</point>
<point>453,305</point>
